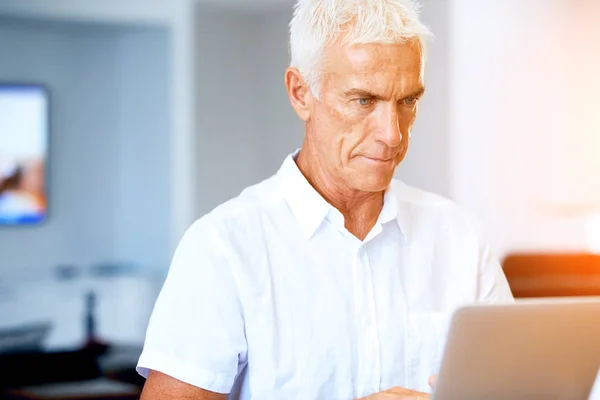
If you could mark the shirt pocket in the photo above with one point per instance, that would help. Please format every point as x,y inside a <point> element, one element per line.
<point>426,337</point>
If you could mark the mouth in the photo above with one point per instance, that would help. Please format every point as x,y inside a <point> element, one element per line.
<point>384,159</point>
<point>379,160</point>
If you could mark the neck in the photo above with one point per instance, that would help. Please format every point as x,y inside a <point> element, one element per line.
<point>360,209</point>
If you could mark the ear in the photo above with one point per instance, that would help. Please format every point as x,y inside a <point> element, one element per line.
<point>298,92</point>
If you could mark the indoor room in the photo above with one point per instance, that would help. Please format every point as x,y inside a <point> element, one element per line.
<point>122,123</point>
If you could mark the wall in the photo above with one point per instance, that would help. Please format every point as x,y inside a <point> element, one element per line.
<point>143,206</point>
<point>83,134</point>
<point>427,163</point>
<point>109,176</point>
<point>519,136</point>
<point>108,171</point>
<point>583,82</point>
<point>131,11</point>
<point>178,18</point>
<point>245,124</point>
<point>227,103</point>
<point>280,129</point>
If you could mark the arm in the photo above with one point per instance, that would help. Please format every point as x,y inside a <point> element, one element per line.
<point>195,337</point>
<point>163,387</point>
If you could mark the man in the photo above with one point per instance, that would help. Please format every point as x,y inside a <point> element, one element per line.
<point>330,280</point>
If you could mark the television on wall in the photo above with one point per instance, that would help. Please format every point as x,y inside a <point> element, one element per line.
<point>24,136</point>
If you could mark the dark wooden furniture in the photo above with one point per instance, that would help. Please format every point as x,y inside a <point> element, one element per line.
<point>96,389</point>
<point>553,274</point>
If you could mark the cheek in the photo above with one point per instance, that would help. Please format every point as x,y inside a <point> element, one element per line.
<point>358,138</point>
<point>347,143</point>
<point>327,127</point>
<point>346,129</point>
<point>324,125</point>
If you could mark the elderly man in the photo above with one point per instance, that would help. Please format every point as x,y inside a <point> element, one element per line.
<point>330,280</point>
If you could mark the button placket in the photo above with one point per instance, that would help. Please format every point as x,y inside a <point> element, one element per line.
<point>369,363</point>
<point>359,301</point>
<point>372,323</point>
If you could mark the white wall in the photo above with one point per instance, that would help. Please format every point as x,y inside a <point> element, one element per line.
<point>280,130</point>
<point>83,135</point>
<point>144,159</point>
<point>108,174</point>
<point>582,152</point>
<point>245,124</point>
<point>227,106</point>
<point>427,163</point>
<point>115,11</point>
<point>517,117</point>
<point>178,18</point>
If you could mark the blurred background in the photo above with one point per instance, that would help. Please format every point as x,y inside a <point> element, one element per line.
<point>138,117</point>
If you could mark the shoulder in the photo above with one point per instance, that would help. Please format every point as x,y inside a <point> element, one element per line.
<point>410,195</point>
<point>238,217</point>
<point>426,208</point>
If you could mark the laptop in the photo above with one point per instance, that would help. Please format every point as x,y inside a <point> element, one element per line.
<point>528,350</point>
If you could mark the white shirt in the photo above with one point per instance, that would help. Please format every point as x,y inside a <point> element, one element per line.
<point>271,289</point>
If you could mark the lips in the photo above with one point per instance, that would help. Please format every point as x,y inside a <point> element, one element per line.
<point>384,158</point>
<point>380,159</point>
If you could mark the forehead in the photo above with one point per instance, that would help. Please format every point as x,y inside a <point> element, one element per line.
<point>374,61</point>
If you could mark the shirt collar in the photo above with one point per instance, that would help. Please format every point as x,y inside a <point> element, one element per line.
<point>307,205</point>
<point>392,198</point>
<point>310,208</point>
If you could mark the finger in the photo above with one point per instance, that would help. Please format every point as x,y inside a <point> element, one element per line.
<point>406,392</point>
<point>433,381</point>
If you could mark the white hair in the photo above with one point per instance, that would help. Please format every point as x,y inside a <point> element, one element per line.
<point>318,23</point>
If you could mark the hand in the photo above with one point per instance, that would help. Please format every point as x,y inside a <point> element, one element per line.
<point>399,393</point>
<point>432,381</point>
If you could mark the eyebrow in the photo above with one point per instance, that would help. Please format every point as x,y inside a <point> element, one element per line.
<point>416,93</point>
<point>363,93</point>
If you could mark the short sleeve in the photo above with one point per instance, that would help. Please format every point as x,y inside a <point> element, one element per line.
<point>196,330</point>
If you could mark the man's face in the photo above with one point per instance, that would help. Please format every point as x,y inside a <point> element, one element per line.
<point>361,123</point>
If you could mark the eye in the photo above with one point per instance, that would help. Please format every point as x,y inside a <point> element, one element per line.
<point>410,101</point>
<point>363,102</point>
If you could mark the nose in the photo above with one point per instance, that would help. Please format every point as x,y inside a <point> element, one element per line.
<point>389,131</point>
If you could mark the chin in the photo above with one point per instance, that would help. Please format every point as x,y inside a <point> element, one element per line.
<point>374,182</point>
<point>369,176</point>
